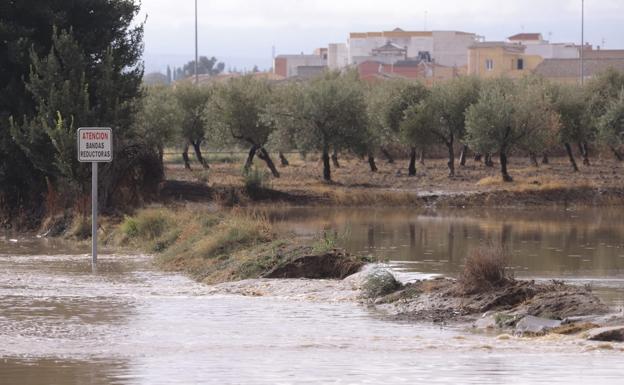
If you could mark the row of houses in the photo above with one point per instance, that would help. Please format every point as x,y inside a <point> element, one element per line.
<point>433,56</point>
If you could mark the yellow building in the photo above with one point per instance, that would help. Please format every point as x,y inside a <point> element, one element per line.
<point>496,59</point>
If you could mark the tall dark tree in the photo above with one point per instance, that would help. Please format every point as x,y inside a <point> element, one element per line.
<point>96,51</point>
<point>205,66</point>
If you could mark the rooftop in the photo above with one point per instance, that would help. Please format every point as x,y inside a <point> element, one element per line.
<point>569,68</point>
<point>525,36</point>
<point>398,32</point>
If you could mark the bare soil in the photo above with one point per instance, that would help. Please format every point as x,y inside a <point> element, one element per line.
<point>354,184</point>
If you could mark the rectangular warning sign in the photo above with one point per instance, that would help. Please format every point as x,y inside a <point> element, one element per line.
<point>95,144</point>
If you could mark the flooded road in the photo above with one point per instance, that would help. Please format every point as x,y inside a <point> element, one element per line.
<point>132,324</point>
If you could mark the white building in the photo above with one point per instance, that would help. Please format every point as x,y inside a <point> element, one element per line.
<point>447,48</point>
<point>288,65</point>
<point>337,56</point>
<point>536,45</point>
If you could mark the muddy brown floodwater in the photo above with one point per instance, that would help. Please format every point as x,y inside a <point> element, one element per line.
<point>133,324</point>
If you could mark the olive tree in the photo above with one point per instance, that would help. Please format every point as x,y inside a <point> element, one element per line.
<point>332,115</point>
<point>242,108</point>
<point>601,92</point>
<point>415,131</point>
<point>569,102</point>
<point>192,101</point>
<point>159,118</point>
<point>446,106</point>
<point>386,106</point>
<point>509,116</point>
<point>611,123</point>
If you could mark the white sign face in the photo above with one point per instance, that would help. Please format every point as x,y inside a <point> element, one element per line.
<point>95,144</point>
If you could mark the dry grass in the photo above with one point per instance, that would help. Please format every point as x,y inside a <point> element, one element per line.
<point>535,183</point>
<point>355,185</point>
<point>484,269</point>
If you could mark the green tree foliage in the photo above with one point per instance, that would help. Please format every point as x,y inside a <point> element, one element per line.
<point>386,106</point>
<point>159,120</point>
<point>445,109</point>
<point>332,115</point>
<point>509,116</point>
<point>601,92</point>
<point>611,123</point>
<point>192,102</point>
<point>570,102</point>
<point>416,132</point>
<point>206,66</point>
<point>242,105</point>
<point>95,48</point>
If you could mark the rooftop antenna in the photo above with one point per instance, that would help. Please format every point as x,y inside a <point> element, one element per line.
<point>550,36</point>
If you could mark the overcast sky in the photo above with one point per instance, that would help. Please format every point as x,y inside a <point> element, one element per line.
<point>242,32</point>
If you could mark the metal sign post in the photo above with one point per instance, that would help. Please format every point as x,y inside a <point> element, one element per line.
<point>95,145</point>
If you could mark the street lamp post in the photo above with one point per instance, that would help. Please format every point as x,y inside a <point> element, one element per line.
<point>196,54</point>
<point>582,69</point>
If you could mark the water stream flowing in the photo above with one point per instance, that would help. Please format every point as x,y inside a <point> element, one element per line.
<point>133,324</point>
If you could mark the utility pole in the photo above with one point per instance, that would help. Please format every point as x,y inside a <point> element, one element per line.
<point>582,69</point>
<point>196,54</point>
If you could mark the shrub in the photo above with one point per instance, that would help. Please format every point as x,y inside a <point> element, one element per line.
<point>234,232</point>
<point>81,227</point>
<point>328,240</point>
<point>484,269</point>
<point>129,227</point>
<point>379,283</point>
<point>149,224</point>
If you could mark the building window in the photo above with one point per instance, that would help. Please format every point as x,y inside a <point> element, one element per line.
<point>489,64</point>
<point>520,65</point>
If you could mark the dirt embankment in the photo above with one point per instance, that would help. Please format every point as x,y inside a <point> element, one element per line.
<point>443,300</point>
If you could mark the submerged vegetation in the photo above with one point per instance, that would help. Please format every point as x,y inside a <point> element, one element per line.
<point>225,246</point>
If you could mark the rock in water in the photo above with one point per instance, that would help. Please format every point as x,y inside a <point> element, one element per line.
<point>535,325</point>
<point>611,334</point>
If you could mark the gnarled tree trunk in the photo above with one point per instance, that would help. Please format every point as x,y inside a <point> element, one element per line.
<point>451,159</point>
<point>571,156</point>
<point>185,157</point>
<point>488,160</point>
<point>371,162</point>
<point>422,157</point>
<point>326,165</point>
<point>264,155</point>
<point>388,155</point>
<point>545,159</point>
<point>250,156</point>
<point>533,159</point>
<point>463,155</point>
<point>334,159</point>
<point>411,170</point>
<point>503,163</point>
<point>283,159</point>
<point>198,154</point>
<point>585,153</point>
